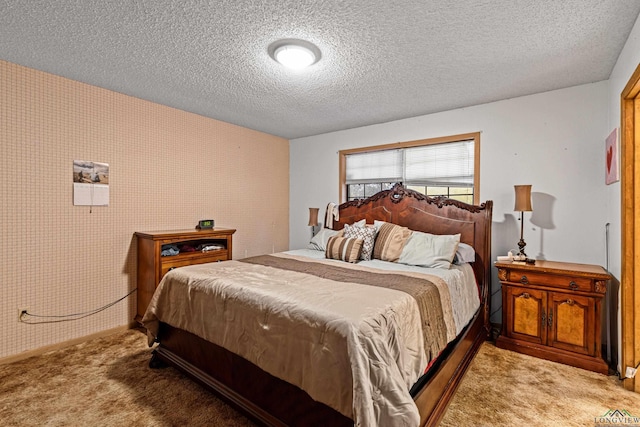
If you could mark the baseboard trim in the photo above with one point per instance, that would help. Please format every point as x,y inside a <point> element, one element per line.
<point>41,350</point>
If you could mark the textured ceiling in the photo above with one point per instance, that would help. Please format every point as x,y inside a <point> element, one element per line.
<point>382,60</point>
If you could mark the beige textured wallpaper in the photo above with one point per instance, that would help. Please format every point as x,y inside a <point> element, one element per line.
<point>168,169</point>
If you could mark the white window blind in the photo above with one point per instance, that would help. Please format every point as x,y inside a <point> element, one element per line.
<point>374,166</point>
<point>449,165</point>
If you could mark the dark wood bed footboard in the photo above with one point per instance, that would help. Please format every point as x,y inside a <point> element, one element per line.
<point>434,396</point>
<point>271,401</point>
<point>264,398</point>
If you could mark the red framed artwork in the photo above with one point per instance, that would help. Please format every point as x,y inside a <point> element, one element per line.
<point>612,172</point>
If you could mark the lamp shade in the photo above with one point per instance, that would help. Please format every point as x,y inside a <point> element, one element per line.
<point>523,198</point>
<point>313,217</point>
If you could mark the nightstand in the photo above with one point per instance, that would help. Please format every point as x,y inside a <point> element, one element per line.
<point>152,266</point>
<point>553,310</point>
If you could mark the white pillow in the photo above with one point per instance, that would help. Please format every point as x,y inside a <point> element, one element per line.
<point>465,253</point>
<point>319,241</point>
<point>430,250</point>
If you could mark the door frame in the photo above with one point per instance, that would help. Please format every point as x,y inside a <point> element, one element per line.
<point>630,198</point>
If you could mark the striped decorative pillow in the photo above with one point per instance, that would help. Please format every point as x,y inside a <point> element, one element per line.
<point>344,248</point>
<point>390,241</point>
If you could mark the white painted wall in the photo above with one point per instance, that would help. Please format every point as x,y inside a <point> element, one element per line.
<point>552,140</point>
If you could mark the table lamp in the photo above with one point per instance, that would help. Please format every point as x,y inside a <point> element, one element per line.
<point>313,220</point>
<point>523,204</point>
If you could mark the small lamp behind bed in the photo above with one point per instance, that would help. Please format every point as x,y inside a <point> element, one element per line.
<point>313,220</point>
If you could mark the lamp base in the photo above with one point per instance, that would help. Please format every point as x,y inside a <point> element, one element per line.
<point>521,245</point>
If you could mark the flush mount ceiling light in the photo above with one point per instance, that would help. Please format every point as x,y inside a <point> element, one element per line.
<point>293,53</point>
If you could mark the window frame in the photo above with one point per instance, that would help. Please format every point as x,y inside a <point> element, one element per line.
<point>475,136</point>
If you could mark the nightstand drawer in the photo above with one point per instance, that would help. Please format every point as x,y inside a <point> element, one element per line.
<point>551,280</point>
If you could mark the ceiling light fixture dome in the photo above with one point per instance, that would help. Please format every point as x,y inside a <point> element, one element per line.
<point>293,53</point>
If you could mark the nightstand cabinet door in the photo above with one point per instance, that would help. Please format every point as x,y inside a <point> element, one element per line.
<point>528,308</point>
<point>571,318</point>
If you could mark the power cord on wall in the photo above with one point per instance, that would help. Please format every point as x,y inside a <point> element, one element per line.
<point>630,373</point>
<point>26,317</point>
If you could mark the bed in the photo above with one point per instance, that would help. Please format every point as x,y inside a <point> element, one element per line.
<point>299,338</point>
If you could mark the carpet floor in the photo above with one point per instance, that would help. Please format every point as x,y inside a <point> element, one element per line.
<point>107,382</point>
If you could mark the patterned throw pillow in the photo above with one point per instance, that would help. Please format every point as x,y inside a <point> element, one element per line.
<point>344,248</point>
<point>390,242</point>
<point>368,236</point>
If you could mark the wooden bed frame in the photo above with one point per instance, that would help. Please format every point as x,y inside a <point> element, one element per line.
<point>273,402</point>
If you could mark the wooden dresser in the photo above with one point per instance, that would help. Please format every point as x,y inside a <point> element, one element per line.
<point>152,266</point>
<point>553,310</point>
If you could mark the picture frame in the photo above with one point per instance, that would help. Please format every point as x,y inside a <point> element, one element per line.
<point>612,158</point>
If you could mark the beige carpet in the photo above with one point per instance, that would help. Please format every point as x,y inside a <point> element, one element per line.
<point>504,388</point>
<point>107,382</point>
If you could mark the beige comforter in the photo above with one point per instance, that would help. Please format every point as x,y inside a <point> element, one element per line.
<point>354,338</point>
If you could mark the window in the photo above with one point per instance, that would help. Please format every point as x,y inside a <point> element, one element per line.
<point>436,167</point>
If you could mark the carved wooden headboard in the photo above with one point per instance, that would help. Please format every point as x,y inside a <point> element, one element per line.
<point>435,215</point>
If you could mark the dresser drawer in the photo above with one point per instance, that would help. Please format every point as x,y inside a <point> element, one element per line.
<point>550,280</point>
<point>198,258</point>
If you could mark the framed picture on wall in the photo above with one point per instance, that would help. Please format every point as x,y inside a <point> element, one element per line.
<point>90,183</point>
<point>612,172</point>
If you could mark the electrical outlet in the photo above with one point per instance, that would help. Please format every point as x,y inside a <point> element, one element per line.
<point>22,312</point>
<point>631,372</point>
